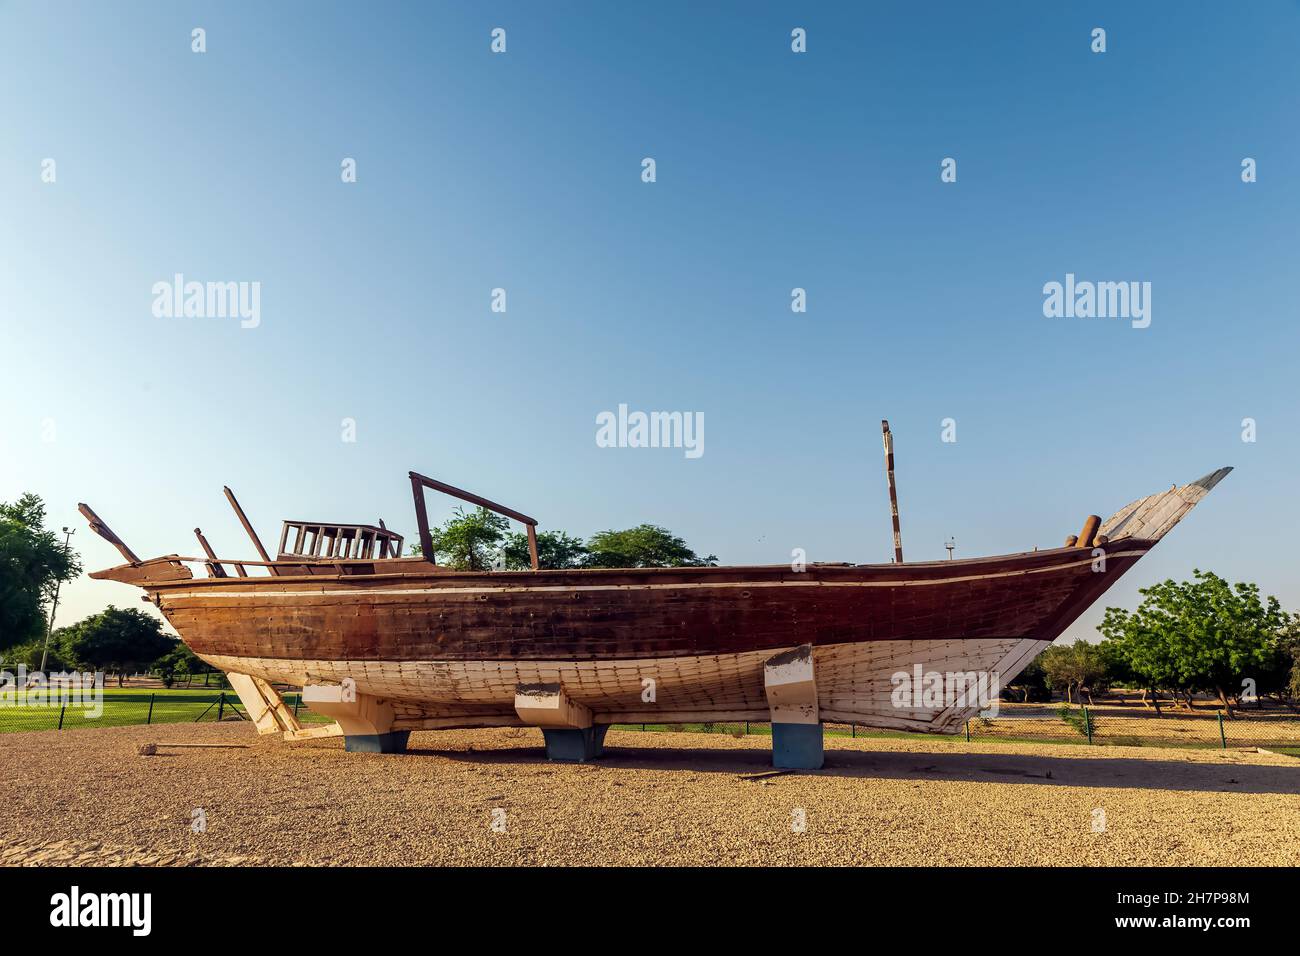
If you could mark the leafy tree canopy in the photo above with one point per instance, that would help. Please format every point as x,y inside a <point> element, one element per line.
<point>32,562</point>
<point>116,641</point>
<point>1030,683</point>
<point>178,663</point>
<point>645,546</point>
<point>480,539</point>
<point>468,541</point>
<point>29,655</point>
<point>1069,666</point>
<point>1202,634</point>
<point>1290,647</point>
<point>555,550</point>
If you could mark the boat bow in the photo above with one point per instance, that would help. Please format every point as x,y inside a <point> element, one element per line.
<point>1152,517</point>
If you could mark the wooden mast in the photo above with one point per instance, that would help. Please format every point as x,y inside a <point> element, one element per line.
<point>422,519</point>
<point>105,532</point>
<point>893,489</point>
<point>215,570</point>
<point>257,542</point>
<point>214,566</point>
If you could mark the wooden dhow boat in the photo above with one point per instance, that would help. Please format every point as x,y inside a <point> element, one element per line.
<point>386,644</point>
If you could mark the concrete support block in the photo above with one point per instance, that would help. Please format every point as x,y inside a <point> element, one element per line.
<point>393,742</point>
<point>790,684</point>
<point>567,725</point>
<point>575,745</point>
<point>366,721</point>
<point>547,705</point>
<point>798,746</point>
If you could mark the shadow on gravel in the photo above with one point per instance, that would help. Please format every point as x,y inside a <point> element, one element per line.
<point>1106,772</point>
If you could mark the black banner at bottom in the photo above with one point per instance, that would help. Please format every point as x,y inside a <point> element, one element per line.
<point>334,905</point>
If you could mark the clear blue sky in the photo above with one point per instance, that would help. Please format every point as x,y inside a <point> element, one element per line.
<point>775,170</point>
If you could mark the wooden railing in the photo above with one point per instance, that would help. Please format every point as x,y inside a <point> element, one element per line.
<point>360,542</point>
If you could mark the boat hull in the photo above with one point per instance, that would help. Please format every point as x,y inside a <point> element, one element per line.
<point>396,644</point>
<point>856,683</point>
<point>648,646</point>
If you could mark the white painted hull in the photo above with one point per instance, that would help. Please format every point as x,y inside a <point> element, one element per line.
<point>854,684</point>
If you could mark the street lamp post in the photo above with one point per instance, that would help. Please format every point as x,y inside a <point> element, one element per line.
<point>54,606</point>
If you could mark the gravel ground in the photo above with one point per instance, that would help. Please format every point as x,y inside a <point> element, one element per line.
<point>491,797</point>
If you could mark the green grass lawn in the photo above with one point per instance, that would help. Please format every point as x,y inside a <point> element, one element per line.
<point>124,706</point>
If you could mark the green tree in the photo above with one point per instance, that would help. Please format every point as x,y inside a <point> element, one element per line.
<point>1115,668</point>
<point>179,663</point>
<point>1031,683</point>
<point>29,655</point>
<point>1289,644</point>
<point>1281,677</point>
<point>468,541</point>
<point>116,641</point>
<point>33,561</point>
<point>555,550</point>
<point>1145,643</point>
<point>1068,667</point>
<point>645,546</point>
<point>1202,634</point>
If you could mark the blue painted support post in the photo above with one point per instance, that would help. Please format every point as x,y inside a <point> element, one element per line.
<point>392,742</point>
<point>366,721</point>
<point>575,744</point>
<point>791,689</point>
<point>567,726</point>
<point>797,746</point>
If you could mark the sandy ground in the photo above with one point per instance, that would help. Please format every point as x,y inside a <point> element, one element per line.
<point>491,797</point>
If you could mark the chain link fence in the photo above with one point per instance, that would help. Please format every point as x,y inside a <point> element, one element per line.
<point>1095,726</point>
<point>1077,725</point>
<point>1071,725</point>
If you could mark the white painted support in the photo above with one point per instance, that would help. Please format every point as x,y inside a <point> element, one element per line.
<point>360,715</point>
<point>791,687</point>
<point>315,732</point>
<point>262,716</point>
<point>265,706</point>
<point>547,705</point>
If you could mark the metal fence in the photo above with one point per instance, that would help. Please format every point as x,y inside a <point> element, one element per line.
<point>1247,728</point>
<point>1077,725</point>
<point>135,707</point>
